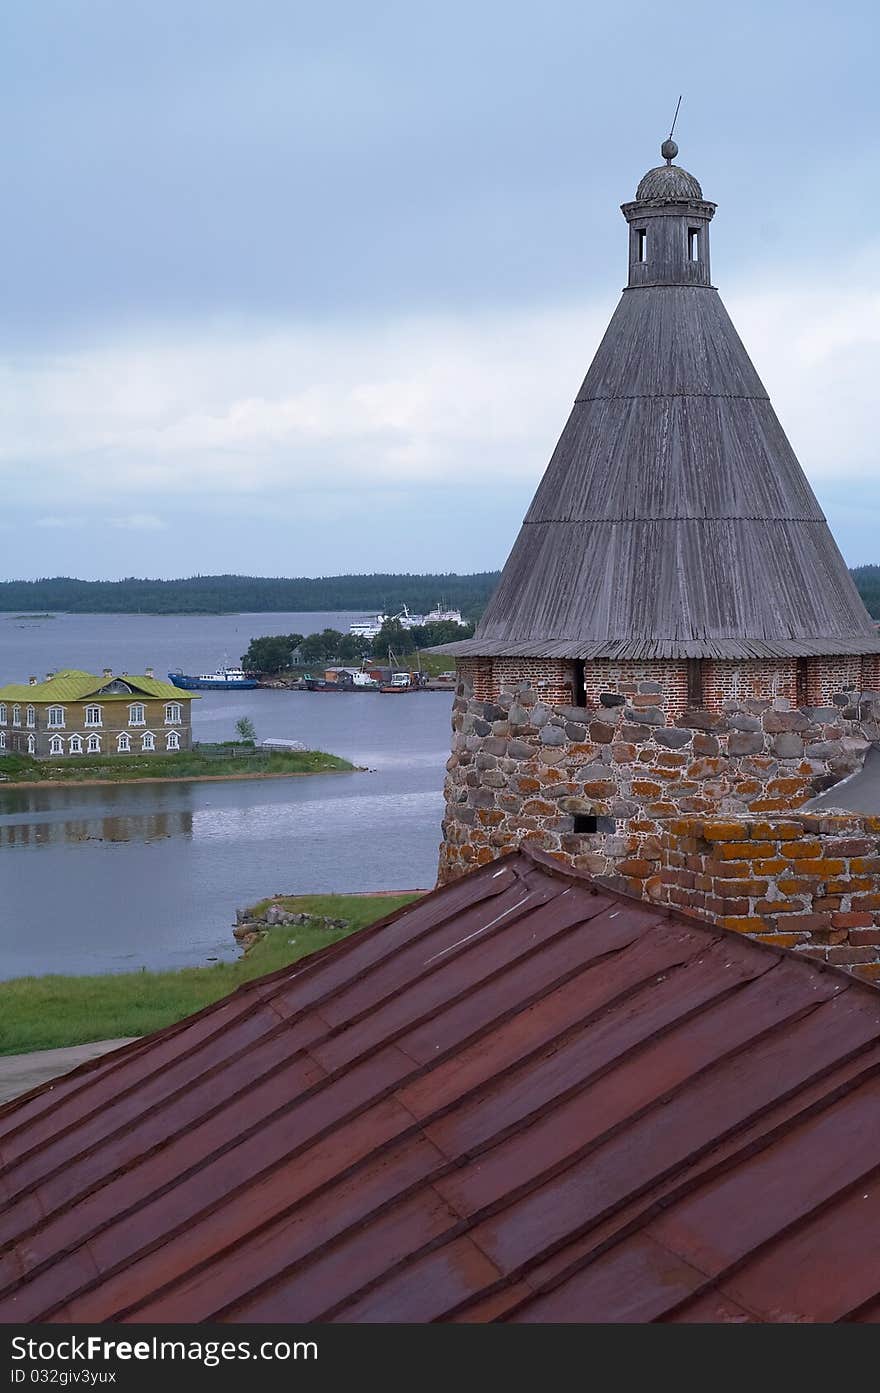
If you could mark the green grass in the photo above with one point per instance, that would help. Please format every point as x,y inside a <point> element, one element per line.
<point>188,764</point>
<point>40,1013</point>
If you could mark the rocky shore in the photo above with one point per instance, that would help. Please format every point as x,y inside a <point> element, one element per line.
<point>250,928</point>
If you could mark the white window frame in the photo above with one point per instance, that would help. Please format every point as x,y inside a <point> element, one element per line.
<point>75,744</point>
<point>173,715</point>
<point>2,739</point>
<point>16,715</point>
<point>56,745</point>
<point>142,719</point>
<point>175,736</point>
<point>31,717</point>
<point>89,721</point>
<point>93,745</point>
<point>123,742</point>
<point>52,713</point>
<point>32,744</point>
<point>3,713</point>
<point>148,736</point>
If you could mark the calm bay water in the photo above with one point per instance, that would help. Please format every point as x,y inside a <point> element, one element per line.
<point>111,879</point>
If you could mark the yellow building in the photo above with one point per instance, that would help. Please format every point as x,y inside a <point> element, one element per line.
<point>74,713</point>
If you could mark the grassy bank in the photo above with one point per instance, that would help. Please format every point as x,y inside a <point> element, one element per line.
<point>40,1013</point>
<point>189,764</point>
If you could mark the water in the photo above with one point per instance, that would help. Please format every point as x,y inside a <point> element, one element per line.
<point>114,878</point>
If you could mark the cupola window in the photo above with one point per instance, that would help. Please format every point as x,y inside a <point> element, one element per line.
<point>641,244</point>
<point>693,244</point>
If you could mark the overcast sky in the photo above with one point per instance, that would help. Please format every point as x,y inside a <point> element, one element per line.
<point>298,289</point>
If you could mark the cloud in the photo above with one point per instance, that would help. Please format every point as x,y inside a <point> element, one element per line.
<point>139,522</point>
<point>315,422</point>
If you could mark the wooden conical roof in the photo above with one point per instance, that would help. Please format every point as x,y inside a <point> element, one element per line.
<point>674,519</point>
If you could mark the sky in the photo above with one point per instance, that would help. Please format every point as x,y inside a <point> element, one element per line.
<point>292,289</point>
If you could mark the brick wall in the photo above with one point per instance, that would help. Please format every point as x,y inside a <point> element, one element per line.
<point>665,683</point>
<point>825,676</point>
<point>806,882</point>
<point>762,680</point>
<point>672,683</point>
<point>870,676</point>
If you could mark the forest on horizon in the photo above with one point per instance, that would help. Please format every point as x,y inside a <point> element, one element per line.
<point>263,595</point>
<point>250,594</point>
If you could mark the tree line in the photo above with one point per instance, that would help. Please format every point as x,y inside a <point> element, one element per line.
<point>255,594</point>
<point>275,653</point>
<point>260,595</point>
<point>867,579</point>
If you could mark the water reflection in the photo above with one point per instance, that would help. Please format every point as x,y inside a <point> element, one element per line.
<point>148,827</point>
<point>106,878</point>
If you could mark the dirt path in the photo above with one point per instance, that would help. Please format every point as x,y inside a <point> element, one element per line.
<point>19,1073</point>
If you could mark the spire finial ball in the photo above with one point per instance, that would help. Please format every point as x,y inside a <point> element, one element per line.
<point>669,150</point>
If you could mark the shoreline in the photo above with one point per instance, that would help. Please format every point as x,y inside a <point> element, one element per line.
<point>179,778</point>
<point>49,1011</point>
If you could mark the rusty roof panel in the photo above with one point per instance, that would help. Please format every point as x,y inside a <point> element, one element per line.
<point>523,1098</point>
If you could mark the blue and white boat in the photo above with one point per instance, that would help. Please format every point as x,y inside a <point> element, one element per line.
<point>225,679</point>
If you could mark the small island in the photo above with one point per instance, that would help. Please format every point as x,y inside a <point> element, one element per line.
<point>233,760</point>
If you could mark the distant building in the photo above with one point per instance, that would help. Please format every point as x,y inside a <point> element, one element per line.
<point>75,713</point>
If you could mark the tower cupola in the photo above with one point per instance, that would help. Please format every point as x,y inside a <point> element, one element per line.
<point>668,226</point>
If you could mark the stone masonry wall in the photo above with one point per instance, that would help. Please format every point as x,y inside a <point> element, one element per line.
<point>806,882</point>
<point>525,768</point>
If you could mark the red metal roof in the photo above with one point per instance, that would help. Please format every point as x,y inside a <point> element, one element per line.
<point>523,1098</point>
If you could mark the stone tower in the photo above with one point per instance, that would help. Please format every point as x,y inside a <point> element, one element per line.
<point>675,631</point>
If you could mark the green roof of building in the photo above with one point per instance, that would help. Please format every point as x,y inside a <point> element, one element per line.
<point>73,685</point>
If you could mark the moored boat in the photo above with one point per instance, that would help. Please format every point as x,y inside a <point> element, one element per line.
<point>225,679</point>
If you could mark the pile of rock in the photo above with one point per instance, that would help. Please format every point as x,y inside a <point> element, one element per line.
<point>250,928</point>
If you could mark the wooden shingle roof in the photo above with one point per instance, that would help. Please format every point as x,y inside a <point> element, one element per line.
<point>673,519</point>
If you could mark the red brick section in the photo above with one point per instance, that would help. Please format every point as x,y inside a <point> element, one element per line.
<point>871,673</point>
<point>626,679</point>
<point>806,882</point>
<point>551,678</point>
<point>810,682</point>
<point>765,680</point>
<point>825,676</point>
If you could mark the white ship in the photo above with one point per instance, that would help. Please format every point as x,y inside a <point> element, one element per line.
<point>371,626</point>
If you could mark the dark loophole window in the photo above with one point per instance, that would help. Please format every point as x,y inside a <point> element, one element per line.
<point>578,686</point>
<point>801,692</point>
<point>694,243</point>
<point>593,822</point>
<point>641,244</point>
<point>695,683</point>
